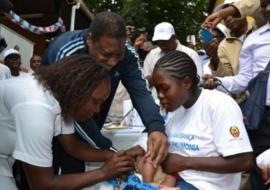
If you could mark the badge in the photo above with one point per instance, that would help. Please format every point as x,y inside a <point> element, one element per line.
<point>234,131</point>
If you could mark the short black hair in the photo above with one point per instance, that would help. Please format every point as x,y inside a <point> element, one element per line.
<point>107,24</point>
<point>178,65</point>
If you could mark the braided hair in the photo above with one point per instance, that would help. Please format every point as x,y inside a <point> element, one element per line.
<point>178,65</point>
<point>72,80</point>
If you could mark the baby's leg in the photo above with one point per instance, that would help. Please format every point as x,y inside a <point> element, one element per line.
<point>148,171</point>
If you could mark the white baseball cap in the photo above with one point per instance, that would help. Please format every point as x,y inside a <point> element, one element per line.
<point>10,51</point>
<point>224,4</point>
<point>163,31</point>
<point>222,28</point>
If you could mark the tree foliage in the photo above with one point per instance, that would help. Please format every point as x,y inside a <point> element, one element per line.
<point>185,15</point>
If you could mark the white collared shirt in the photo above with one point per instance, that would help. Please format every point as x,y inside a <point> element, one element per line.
<point>254,57</point>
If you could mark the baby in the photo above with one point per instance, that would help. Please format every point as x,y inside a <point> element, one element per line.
<point>150,174</point>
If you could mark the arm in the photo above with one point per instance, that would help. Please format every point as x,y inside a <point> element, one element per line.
<point>49,55</point>
<point>241,8</point>
<point>212,20</point>
<point>247,7</point>
<point>228,53</point>
<point>35,126</point>
<point>239,82</point>
<point>230,139</point>
<point>235,163</point>
<point>85,152</point>
<point>143,102</point>
<point>42,178</point>
<point>132,79</point>
<point>211,50</point>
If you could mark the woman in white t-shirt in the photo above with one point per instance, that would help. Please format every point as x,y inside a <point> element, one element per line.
<point>35,109</point>
<point>209,146</point>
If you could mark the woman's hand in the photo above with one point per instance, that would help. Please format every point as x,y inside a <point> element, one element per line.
<point>120,163</point>
<point>135,151</point>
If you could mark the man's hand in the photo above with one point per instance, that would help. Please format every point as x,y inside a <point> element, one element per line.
<point>215,18</point>
<point>120,163</point>
<point>157,147</point>
<point>210,82</point>
<point>139,41</point>
<point>212,20</point>
<point>211,48</point>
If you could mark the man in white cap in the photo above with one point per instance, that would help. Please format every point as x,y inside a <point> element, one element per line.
<point>12,59</point>
<point>165,38</point>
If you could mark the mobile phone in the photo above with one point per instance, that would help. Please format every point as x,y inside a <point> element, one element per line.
<point>206,35</point>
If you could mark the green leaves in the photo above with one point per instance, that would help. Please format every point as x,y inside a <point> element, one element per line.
<point>185,15</point>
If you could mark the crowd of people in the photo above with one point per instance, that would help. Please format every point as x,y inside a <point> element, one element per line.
<point>51,115</point>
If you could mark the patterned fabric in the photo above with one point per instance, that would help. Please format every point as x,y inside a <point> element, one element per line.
<point>36,29</point>
<point>130,182</point>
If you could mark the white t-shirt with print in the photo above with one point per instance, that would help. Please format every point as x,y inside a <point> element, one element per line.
<point>211,127</point>
<point>29,118</point>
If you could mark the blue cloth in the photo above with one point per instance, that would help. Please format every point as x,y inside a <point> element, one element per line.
<point>127,70</point>
<point>132,182</point>
<point>185,185</point>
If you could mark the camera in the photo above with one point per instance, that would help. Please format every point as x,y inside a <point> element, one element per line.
<point>206,35</point>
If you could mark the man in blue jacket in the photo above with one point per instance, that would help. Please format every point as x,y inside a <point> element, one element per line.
<point>105,41</point>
